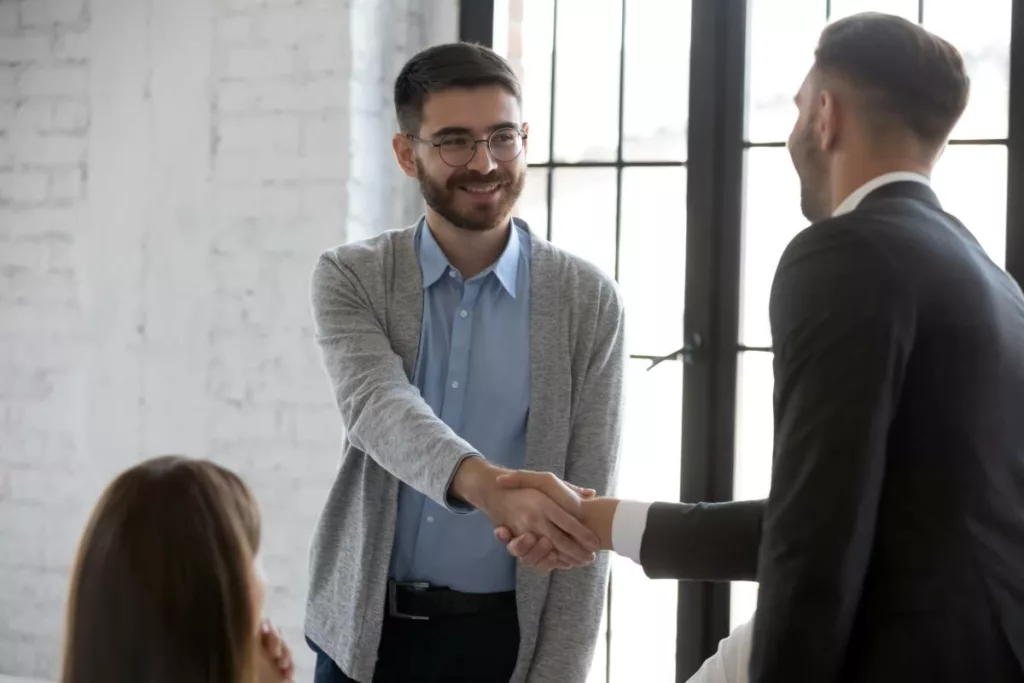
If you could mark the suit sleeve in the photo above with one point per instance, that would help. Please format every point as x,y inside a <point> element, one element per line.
<point>702,541</point>
<point>571,620</point>
<point>843,325</point>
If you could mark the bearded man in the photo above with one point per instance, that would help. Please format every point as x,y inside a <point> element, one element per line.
<point>458,349</point>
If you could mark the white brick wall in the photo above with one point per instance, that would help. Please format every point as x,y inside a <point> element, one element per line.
<point>42,192</point>
<point>168,173</point>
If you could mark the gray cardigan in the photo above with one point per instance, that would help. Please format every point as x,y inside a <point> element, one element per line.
<point>367,304</point>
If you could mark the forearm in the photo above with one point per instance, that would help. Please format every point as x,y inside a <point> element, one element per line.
<point>382,411</point>
<point>703,541</point>
<point>401,433</point>
<point>717,542</point>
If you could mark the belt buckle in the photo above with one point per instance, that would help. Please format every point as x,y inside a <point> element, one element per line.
<point>393,598</point>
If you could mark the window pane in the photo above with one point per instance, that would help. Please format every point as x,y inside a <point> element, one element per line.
<point>778,65</point>
<point>649,470</point>
<point>655,112</point>
<point>781,50</point>
<point>755,426</point>
<point>589,38</point>
<point>755,435</point>
<point>523,34</point>
<point>652,258</point>
<point>904,8</point>
<point>981,31</point>
<point>771,219</point>
<point>971,184</point>
<point>583,214</point>
<point>505,14</point>
<point>533,203</point>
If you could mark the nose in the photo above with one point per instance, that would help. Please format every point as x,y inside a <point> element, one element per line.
<point>482,161</point>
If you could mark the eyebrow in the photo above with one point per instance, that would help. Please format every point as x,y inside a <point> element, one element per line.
<point>458,130</point>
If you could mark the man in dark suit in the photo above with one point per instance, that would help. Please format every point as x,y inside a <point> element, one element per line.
<point>891,546</point>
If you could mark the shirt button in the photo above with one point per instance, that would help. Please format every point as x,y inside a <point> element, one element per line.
<point>455,385</point>
<point>451,273</point>
<point>430,519</point>
<point>463,314</point>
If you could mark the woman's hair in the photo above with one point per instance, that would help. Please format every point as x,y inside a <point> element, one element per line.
<point>163,587</point>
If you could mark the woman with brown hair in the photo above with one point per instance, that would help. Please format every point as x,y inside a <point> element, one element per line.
<point>166,587</point>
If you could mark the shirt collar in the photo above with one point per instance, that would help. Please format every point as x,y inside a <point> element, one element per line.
<point>507,267</point>
<point>858,195</point>
<point>434,264</point>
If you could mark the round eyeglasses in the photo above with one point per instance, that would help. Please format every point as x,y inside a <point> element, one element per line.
<point>458,149</point>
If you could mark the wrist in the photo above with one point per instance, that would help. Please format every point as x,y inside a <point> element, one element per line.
<point>598,515</point>
<point>474,481</point>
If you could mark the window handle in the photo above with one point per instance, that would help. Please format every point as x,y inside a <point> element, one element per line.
<point>689,351</point>
<point>686,354</point>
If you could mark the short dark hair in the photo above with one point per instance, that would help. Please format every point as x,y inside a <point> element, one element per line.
<point>906,74</point>
<point>442,67</point>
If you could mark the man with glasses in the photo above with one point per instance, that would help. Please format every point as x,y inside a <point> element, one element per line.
<point>460,348</point>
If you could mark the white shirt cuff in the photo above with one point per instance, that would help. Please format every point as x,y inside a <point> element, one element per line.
<point>628,526</point>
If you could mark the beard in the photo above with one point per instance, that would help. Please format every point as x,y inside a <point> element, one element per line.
<point>811,166</point>
<point>444,197</point>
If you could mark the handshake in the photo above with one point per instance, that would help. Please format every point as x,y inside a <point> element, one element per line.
<point>544,521</point>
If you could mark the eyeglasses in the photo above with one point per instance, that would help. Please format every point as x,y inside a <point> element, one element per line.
<point>504,144</point>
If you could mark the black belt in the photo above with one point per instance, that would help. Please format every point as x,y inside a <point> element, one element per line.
<point>421,601</point>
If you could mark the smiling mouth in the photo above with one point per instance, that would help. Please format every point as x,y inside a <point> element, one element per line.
<point>489,188</point>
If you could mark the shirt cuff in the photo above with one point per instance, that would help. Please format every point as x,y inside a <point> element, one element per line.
<point>628,526</point>
<point>451,503</point>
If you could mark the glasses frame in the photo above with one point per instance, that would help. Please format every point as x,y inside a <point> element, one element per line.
<point>476,143</point>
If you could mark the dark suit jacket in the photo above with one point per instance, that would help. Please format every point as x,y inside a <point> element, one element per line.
<point>891,546</point>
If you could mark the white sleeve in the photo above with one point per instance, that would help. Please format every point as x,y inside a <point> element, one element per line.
<point>628,526</point>
<point>732,661</point>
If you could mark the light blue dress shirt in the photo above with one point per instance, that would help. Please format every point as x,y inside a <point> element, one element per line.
<point>473,370</point>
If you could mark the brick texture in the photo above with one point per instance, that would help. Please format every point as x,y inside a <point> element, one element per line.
<point>42,330</point>
<point>168,174</point>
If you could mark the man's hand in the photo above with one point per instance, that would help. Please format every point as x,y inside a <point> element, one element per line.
<point>526,510</point>
<point>539,553</point>
<point>275,664</point>
<point>596,513</point>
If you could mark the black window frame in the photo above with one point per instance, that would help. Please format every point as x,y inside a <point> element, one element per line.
<point>715,193</point>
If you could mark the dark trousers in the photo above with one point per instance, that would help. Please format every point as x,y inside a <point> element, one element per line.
<point>478,648</point>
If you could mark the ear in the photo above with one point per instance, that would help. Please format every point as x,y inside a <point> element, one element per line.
<point>405,153</point>
<point>828,120</point>
<point>526,137</point>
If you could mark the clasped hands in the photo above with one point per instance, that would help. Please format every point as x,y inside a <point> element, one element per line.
<point>545,522</point>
